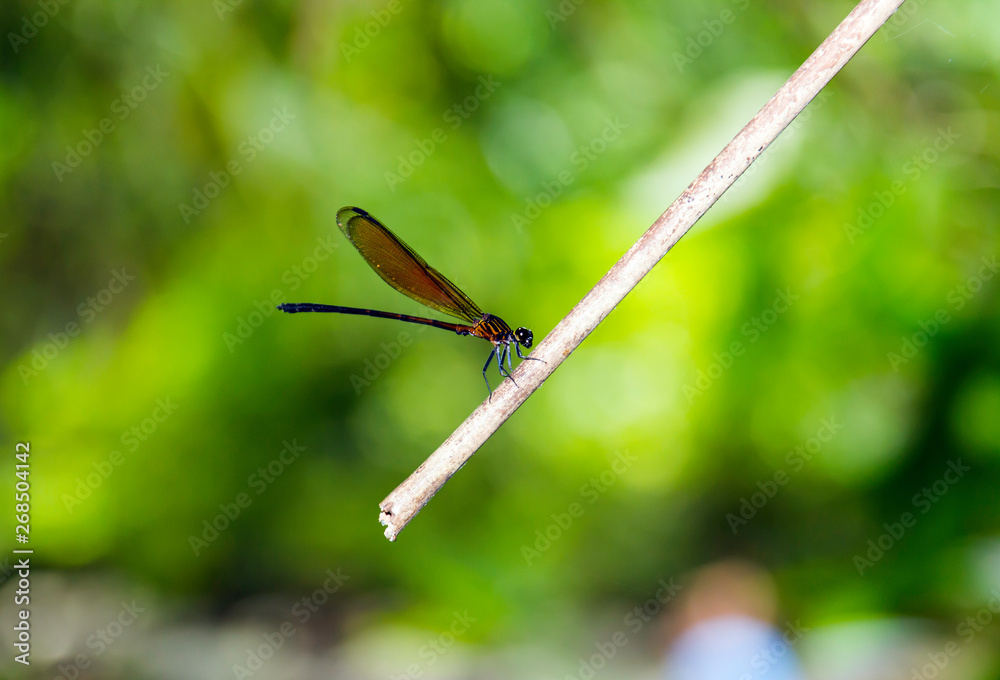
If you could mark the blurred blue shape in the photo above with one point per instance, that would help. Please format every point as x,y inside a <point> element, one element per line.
<point>732,647</point>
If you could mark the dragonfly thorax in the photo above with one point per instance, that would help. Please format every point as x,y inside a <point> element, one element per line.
<point>496,330</point>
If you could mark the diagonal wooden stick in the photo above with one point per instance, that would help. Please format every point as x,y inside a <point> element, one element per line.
<point>408,498</point>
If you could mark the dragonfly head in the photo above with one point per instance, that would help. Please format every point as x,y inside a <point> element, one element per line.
<point>524,336</point>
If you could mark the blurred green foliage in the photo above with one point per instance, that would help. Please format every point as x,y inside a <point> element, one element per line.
<point>215,185</point>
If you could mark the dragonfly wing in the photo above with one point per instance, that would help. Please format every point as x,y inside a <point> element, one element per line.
<point>402,268</point>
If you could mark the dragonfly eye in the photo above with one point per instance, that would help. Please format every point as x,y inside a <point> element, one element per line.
<point>524,336</point>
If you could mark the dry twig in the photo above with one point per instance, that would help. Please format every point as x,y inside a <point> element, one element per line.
<point>408,498</point>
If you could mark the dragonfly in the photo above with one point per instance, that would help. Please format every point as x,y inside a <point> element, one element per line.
<point>403,269</point>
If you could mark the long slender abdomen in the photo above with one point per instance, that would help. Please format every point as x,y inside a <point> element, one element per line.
<point>298,307</point>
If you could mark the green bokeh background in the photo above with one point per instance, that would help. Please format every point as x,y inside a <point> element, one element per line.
<point>853,215</point>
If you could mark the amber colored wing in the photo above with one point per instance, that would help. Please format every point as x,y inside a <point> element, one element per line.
<point>402,268</point>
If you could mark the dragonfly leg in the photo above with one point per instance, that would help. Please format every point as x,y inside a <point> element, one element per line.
<point>521,356</point>
<point>499,352</point>
<point>487,365</point>
<point>500,356</point>
<point>505,352</point>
